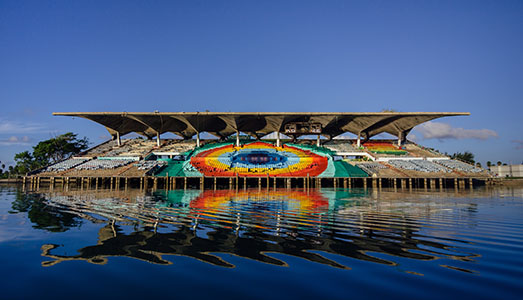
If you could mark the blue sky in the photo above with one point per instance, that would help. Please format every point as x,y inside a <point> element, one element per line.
<point>265,56</point>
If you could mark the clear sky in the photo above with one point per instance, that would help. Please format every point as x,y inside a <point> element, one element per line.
<point>265,56</point>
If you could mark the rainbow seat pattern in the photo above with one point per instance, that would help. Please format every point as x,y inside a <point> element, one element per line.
<point>259,159</point>
<point>384,148</point>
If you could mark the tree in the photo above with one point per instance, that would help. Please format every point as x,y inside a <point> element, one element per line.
<point>499,163</point>
<point>24,162</point>
<point>489,163</point>
<point>58,148</point>
<point>48,152</point>
<point>478,164</point>
<point>465,156</point>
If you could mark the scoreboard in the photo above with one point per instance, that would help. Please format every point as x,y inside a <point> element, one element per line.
<point>302,128</point>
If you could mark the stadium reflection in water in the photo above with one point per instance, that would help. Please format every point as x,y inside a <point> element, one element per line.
<point>316,225</point>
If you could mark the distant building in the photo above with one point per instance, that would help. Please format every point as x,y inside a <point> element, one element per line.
<point>508,171</point>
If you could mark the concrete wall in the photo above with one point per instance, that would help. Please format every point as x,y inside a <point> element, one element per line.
<point>510,170</point>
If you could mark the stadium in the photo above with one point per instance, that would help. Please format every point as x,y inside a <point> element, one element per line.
<point>271,150</point>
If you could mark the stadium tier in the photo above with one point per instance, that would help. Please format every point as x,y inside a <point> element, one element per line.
<point>419,166</point>
<point>239,150</point>
<point>251,158</point>
<point>459,166</point>
<point>384,148</point>
<point>340,146</point>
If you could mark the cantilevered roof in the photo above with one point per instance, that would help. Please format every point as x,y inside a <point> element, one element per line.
<point>223,124</point>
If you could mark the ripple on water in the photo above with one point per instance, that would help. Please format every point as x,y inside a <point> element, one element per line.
<point>418,234</point>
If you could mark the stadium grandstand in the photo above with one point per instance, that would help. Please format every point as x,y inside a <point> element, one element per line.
<point>250,145</point>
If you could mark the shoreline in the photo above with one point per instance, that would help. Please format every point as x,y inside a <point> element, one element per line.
<point>512,182</point>
<point>10,180</point>
<point>508,181</point>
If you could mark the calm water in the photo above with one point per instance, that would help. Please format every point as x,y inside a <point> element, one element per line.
<point>328,244</point>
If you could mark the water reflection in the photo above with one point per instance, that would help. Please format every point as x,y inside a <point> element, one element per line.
<point>321,226</point>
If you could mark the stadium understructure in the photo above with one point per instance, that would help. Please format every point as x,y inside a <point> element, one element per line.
<point>261,149</point>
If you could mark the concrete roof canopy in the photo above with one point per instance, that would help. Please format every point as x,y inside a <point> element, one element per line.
<point>257,124</point>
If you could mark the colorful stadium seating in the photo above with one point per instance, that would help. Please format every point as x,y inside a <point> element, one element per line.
<point>258,159</point>
<point>384,148</point>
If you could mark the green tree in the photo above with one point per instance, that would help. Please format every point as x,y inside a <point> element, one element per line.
<point>48,152</point>
<point>24,163</point>
<point>489,163</point>
<point>465,156</point>
<point>58,148</point>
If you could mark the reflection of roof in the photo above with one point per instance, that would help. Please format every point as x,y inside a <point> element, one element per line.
<point>224,124</point>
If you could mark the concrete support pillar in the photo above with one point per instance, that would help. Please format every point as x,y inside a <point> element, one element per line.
<point>410,183</point>
<point>185,183</point>
<point>471,183</point>
<point>400,138</point>
<point>244,183</point>
<point>318,141</point>
<point>350,183</point>
<point>345,183</point>
<point>230,183</point>
<point>237,138</point>
<point>214,183</point>
<point>425,183</point>
<point>259,183</point>
<point>197,139</point>
<point>278,141</point>
<point>365,183</point>
<point>358,142</point>
<point>202,183</point>
<point>395,182</point>
<point>118,139</point>
<point>158,139</point>
<point>456,183</point>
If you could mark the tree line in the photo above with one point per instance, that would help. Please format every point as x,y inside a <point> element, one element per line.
<point>45,153</point>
